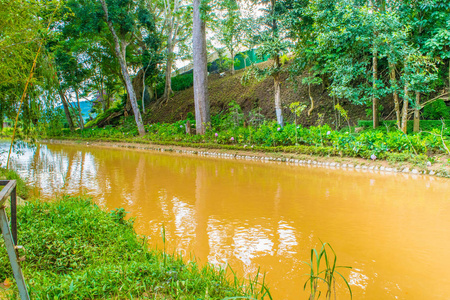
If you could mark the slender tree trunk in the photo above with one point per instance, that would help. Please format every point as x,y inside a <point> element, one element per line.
<point>405,109</point>
<point>374,98</point>
<point>277,95</point>
<point>107,98</point>
<point>168,84</point>
<point>66,110</point>
<point>108,101</point>
<point>202,117</point>
<point>143,92</point>
<point>120,49</point>
<point>101,92</point>
<point>173,24</point>
<point>102,99</point>
<point>80,115</point>
<point>395,94</point>
<point>417,113</point>
<point>232,62</point>
<point>2,117</point>
<point>276,77</point>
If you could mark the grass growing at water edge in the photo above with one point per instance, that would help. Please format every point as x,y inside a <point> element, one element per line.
<point>326,274</point>
<point>22,188</point>
<point>77,251</point>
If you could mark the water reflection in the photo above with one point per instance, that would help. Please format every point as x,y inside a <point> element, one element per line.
<point>392,228</point>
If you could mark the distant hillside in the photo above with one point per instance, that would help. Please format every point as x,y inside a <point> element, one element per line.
<point>223,90</point>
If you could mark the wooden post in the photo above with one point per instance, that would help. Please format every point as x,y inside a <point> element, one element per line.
<point>188,127</point>
<point>417,113</point>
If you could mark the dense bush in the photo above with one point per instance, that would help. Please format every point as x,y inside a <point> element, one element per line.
<point>425,125</point>
<point>270,135</point>
<point>229,130</point>
<point>436,110</point>
<point>179,83</point>
<point>116,107</point>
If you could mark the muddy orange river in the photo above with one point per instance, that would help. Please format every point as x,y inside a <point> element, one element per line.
<point>392,229</point>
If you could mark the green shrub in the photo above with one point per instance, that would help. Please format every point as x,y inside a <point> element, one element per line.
<point>228,130</point>
<point>115,108</point>
<point>179,83</point>
<point>436,110</point>
<point>182,82</point>
<point>425,125</point>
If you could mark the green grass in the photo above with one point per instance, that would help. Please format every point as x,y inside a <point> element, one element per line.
<point>77,251</point>
<point>323,271</point>
<point>22,188</point>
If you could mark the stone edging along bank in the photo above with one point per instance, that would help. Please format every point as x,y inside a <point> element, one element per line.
<point>347,163</point>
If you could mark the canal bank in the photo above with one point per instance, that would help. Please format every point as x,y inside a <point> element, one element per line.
<point>266,216</point>
<point>440,166</point>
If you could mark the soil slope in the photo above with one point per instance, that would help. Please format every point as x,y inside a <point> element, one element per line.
<point>224,89</point>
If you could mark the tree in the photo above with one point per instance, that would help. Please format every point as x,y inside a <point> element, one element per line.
<point>229,28</point>
<point>121,16</point>
<point>73,72</point>
<point>355,45</point>
<point>275,44</point>
<point>22,32</point>
<point>201,99</point>
<point>175,29</point>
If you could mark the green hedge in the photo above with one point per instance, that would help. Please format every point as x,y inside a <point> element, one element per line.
<point>179,83</point>
<point>425,125</point>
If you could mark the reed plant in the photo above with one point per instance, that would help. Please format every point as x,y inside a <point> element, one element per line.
<point>323,269</point>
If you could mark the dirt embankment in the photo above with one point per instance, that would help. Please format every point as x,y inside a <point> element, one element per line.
<point>224,89</point>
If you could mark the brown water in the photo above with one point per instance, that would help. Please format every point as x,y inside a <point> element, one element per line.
<point>393,229</point>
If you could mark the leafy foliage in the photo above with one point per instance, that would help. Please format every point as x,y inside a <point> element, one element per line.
<point>76,250</point>
<point>436,110</point>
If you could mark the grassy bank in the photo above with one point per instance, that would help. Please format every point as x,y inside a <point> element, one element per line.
<point>386,143</point>
<point>77,251</point>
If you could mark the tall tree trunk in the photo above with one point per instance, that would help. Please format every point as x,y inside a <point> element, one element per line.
<point>101,93</point>
<point>405,109</point>
<point>168,84</point>
<point>277,92</point>
<point>172,18</point>
<point>66,110</point>
<point>80,115</point>
<point>374,98</point>
<point>201,99</point>
<point>120,49</point>
<point>417,113</point>
<point>143,93</point>
<point>232,61</point>
<point>395,94</point>
<point>277,95</point>
<point>2,117</point>
<point>276,76</point>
